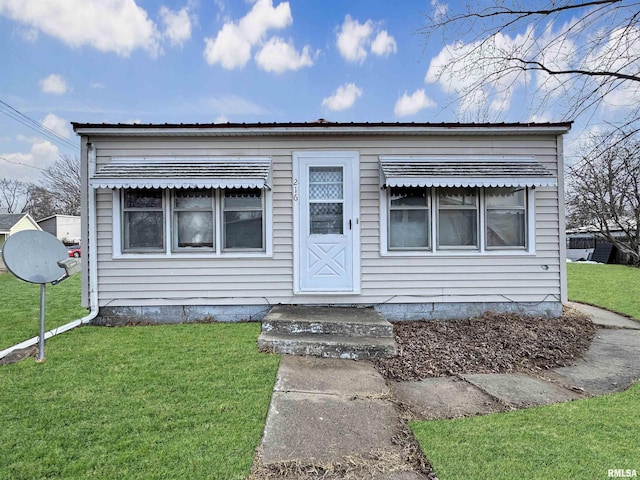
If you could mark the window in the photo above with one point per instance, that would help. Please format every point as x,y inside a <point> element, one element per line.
<point>243,219</point>
<point>409,218</point>
<point>326,200</point>
<point>456,219</point>
<point>505,217</point>
<point>193,220</point>
<point>210,221</point>
<point>143,220</point>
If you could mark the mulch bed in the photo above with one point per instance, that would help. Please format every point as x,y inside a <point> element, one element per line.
<point>491,343</point>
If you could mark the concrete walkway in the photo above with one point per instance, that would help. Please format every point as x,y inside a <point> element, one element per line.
<point>340,417</point>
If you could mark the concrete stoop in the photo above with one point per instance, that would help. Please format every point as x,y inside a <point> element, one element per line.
<point>333,332</point>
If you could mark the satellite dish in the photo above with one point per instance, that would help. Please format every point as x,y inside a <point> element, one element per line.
<point>33,256</point>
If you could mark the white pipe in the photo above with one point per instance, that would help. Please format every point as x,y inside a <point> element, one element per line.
<point>92,265</point>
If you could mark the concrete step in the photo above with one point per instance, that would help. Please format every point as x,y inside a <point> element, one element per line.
<point>323,345</point>
<point>348,322</point>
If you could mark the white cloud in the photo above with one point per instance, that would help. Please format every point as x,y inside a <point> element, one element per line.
<point>177,25</point>
<point>353,38</point>
<point>57,124</point>
<point>221,119</point>
<point>231,48</point>
<point>479,68</point>
<point>620,53</point>
<point>25,166</point>
<point>97,85</point>
<point>412,104</point>
<point>384,44</point>
<point>54,84</point>
<point>118,26</point>
<point>343,98</point>
<point>440,10</point>
<point>279,56</point>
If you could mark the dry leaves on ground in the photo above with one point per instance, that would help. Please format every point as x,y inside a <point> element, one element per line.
<point>491,343</point>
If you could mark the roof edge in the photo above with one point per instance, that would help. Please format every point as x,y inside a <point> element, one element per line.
<point>316,128</point>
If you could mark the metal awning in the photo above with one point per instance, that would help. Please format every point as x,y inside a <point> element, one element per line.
<point>183,173</point>
<point>464,172</point>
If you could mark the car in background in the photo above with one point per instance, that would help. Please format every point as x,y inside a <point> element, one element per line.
<point>74,251</point>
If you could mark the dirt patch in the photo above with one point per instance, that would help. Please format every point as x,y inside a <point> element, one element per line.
<point>490,343</point>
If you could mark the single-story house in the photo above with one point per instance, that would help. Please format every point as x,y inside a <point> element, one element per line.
<point>11,223</point>
<point>65,227</point>
<point>223,221</point>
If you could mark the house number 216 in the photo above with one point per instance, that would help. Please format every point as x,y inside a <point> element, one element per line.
<point>295,190</point>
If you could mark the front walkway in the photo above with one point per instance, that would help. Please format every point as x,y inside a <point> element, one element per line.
<point>340,417</point>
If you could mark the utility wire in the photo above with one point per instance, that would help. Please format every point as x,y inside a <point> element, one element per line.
<point>29,122</point>
<point>22,164</point>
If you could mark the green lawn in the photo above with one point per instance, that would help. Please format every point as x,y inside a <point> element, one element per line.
<point>581,439</point>
<point>179,401</point>
<point>20,307</point>
<point>173,401</point>
<point>614,287</point>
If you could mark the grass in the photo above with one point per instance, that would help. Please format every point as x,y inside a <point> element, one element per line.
<point>20,307</point>
<point>614,287</point>
<point>178,401</point>
<point>581,439</point>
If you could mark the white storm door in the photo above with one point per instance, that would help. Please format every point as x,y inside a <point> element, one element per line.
<point>326,221</point>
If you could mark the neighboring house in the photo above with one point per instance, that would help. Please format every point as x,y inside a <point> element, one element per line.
<point>11,223</point>
<point>188,222</point>
<point>65,227</point>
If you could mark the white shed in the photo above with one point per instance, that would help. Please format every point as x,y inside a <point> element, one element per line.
<point>65,227</point>
<point>223,221</point>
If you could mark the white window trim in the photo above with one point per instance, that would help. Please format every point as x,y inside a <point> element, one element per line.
<point>481,251</point>
<point>117,252</point>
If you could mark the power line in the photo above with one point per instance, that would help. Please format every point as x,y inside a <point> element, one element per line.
<point>29,122</point>
<point>22,164</point>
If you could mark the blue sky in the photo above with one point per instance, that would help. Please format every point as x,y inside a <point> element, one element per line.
<point>203,61</point>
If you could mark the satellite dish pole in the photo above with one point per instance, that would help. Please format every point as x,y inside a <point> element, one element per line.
<point>38,257</point>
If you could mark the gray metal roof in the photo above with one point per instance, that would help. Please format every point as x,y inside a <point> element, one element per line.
<point>183,173</point>
<point>8,220</point>
<point>319,127</point>
<point>464,172</point>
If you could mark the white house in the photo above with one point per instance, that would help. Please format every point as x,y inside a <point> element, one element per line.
<point>65,227</point>
<point>223,221</point>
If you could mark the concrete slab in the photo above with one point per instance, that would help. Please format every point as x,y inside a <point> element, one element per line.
<point>604,318</point>
<point>317,428</point>
<point>329,376</point>
<point>521,390</point>
<point>444,397</point>
<point>610,365</point>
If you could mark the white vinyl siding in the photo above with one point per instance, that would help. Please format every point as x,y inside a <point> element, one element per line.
<point>267,279</point>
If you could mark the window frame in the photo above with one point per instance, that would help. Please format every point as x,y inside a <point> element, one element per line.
<point>481,250</point>
<point>444,207</point>
<point>223,210</point>
<point>524,209</point>
<point>428,208</point>
<point>118,251</point>
<point>174,210</point>
<point>124,209</point>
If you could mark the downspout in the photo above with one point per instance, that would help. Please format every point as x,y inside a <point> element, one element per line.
<point>91,263</point>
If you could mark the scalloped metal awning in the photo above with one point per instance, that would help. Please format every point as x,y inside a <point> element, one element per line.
<point>464,172</point>
<point>183,173</point>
